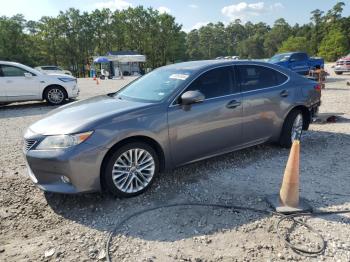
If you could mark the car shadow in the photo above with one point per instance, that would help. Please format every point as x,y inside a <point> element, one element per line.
<point>242,178</point>
<point>22,109</point>
<point>335,79</point>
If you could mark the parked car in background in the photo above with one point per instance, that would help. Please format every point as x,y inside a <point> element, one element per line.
<point>53,70</point>
<point>172,116</point>
<point>342,65</point>
<point>22,83</point>
<point>298,62</point>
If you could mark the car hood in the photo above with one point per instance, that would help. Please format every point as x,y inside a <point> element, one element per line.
<point>83,115</point>
<point>57,75</point>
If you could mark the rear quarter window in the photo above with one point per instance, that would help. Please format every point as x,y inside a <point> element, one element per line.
<point>254,77</point>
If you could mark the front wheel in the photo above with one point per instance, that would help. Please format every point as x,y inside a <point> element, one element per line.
<point>292,128</point>
<point>338,73</point>
<point>131,170</point>
<point>55,95</point>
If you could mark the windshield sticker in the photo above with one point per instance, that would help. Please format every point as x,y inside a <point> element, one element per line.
<point>179,76</point>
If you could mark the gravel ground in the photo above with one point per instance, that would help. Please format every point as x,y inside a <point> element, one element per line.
<point>46,227</point>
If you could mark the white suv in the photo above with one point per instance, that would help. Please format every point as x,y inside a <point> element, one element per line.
<point>22,83</point>
<point>52,70</point>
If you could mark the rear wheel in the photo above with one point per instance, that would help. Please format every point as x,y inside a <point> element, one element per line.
<point>131,170</point>
<point>292,128</point>
<point>55,95</point>
<point>338,73</point>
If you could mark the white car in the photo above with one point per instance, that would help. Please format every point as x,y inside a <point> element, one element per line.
<point>22,83</point>
<point>53,70</point>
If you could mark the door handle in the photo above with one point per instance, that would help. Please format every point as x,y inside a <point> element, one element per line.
<point>284,93</point>
<point>233,104</point>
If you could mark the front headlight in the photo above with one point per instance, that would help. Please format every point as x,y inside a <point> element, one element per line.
<point>63,141</point>
<point>67,79</point>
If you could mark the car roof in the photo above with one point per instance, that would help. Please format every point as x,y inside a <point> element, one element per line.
<point>10,63</point>
<point>206,64</point>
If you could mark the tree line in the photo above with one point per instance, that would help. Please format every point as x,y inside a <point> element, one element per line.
<point>73,37</point>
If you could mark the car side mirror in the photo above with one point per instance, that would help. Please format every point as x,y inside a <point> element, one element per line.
<point>192,97</point>
<point>28,75</point>
<point>292,60</point>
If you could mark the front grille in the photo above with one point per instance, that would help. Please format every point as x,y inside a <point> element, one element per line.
<point>28,144</point>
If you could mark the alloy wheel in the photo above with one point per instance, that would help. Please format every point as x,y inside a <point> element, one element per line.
<point>55,96</point>
<point>133,170</point>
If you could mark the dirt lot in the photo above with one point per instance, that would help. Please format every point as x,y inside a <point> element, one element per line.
<point>37,226</point>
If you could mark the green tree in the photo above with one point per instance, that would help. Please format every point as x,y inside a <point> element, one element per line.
<point>13,41</point>
<point>295,43</point>
<point>71,38</point>
<point>334,45</point>
<point>280,31</point>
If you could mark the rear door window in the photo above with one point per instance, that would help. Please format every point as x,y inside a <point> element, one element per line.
<point>253,77</point>
<point>214,83</point>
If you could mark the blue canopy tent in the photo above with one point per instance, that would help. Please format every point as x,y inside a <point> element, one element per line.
<point>101,60</point>
<point>122,62</point>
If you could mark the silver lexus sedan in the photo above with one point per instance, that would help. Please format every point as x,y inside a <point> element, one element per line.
<point>170,117</point>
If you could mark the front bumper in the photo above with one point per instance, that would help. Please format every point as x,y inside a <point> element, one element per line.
<point>74,93</point>
<point>72,89</point>
<point>68,171</point>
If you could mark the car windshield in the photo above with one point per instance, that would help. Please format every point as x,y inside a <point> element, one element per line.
<point>155,86</point>
<point>279,58</point>
<point>31,69</point>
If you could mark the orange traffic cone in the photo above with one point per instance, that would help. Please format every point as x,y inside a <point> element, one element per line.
<point>288,201</point>
<point>94,77</point>
<point>289,193</point>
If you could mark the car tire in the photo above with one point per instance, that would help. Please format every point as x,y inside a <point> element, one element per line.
<point>121,175</point>
<point>286,139</point>
<point>338,73</point>
<point>55,95</point>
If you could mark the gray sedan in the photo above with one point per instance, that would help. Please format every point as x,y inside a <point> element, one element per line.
<point>170,117</point>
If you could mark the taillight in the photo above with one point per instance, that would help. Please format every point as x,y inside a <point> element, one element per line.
<point>318,87</point>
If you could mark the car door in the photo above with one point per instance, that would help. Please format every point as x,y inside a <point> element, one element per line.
<point>209,127</point>
<point>265,100</point>
<point>299,63</point>
<point>3,97</point>
<point>19,83</point>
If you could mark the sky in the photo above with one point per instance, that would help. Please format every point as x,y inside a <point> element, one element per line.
<point>190,13</point>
